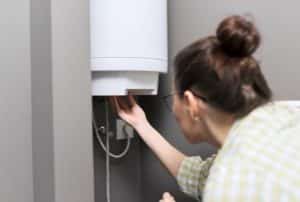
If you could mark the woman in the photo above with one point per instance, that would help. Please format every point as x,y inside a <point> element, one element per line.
<point>222,97</point>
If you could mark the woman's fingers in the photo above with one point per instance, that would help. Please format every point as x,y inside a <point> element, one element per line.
<point>131,100</point>
<point>120,104</point>
<point>114,102</point>
<point>167,200</point>
<point>124,103</point>
<point>167,197</point>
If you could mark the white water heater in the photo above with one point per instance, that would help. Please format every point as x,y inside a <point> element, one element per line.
<point>128,46</point>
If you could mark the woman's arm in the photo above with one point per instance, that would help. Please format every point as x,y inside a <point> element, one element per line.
<point>133,114</point>
<point>190,172</point>
<point>170,157</point>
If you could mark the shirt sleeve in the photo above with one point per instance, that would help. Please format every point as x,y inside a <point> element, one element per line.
<point>192,175</point>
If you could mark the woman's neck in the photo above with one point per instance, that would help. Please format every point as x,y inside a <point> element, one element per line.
<point>219,125</point>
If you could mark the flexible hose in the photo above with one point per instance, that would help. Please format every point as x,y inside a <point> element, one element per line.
<point>106,148</point>
<point>100,141</point>
<point>107,155</point>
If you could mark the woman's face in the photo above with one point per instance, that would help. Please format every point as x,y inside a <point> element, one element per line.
<point>193,128</point>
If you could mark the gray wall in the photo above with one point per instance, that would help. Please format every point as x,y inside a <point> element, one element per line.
<point>61,101</point>
<point>16,182</point>
<point>189,20</point>
<point>42,116</point>
<point>60,104</point>
<point>277,21</point>
<point>71,79</point>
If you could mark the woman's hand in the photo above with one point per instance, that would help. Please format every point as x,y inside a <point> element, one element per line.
<point>129,110</point>
<point>167,197</point>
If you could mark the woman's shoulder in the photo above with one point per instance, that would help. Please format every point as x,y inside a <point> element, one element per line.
<point>265,120</point>
<point>267,138</point>
<point>279,110</point>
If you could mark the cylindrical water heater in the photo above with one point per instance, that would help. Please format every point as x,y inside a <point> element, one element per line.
<point>128,46</point>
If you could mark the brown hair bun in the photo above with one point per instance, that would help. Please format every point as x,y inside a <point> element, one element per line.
<point>238,36</point>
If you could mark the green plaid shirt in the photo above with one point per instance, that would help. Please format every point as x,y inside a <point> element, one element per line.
<point>259,161</point>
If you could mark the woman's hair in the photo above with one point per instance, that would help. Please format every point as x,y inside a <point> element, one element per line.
<point>222,69</point>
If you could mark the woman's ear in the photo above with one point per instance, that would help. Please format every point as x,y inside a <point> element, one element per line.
<point>194,105</point>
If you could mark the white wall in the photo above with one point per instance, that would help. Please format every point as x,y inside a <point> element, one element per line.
<point>16,183</point>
